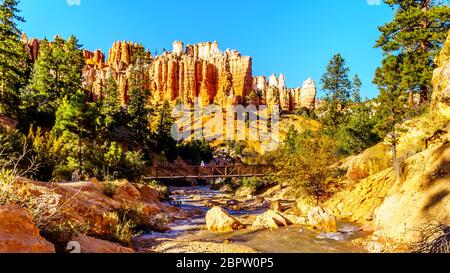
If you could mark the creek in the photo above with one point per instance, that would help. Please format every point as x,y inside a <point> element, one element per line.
<point>292,239</point>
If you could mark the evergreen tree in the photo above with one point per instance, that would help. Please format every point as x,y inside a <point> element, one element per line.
<point>356,89</point>
<point>38,98</point>
<point>13,58</point>
<point>109,106</point>
<point>391,103</point>
<point>358,133</point>
<point>57,74</point>
<point>75,121</point>
<point>138,115</point>
<point>165,143</point>
<point>337,85</point>
<point>414,37</point>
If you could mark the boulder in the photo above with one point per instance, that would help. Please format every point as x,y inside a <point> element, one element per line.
<point>271,219</point>
<point>226,189</point>
<point>244,192</point>
<point>276,206</point>
<point>218,220</point>
<point>18,234</point>
<point>259,200</point>
<point>92,245</point>
<point>148,194</point>
<point>322,220</point>
<point>210,204</point>
<point>126,192</point>
<point>296,220</point>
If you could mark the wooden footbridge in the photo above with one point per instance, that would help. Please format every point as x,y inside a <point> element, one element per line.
<point>210,172</point>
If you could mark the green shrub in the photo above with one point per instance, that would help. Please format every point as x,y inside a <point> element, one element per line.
<point>141,221</point>
<point>119,230</point>
<point>253,183</point>
<point>110,189</point>
<point>162,189</point>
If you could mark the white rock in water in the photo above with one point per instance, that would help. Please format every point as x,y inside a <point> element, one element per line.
<point>348,228</point>
<point>337,236</point>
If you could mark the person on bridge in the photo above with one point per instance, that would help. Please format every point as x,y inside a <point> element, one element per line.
<point>202,167</point>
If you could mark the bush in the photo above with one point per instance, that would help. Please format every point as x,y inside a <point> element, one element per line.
<point>142,222</point>
<point>162,189</point>
<point>435,238</point>
<point>49,152</point>
<point>134,166</point>
<point>314,152</point>
<point>358,133</point>
<point>119,230</point>
<point>109,189</point>
<point>253,183</point>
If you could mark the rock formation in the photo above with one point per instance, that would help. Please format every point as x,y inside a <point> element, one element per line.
<point>32,47</point>
<point>18,234</point>
<point>440,102</point>
<point>271,219</point>
<point>218,220</point>
<point>186,73</point>
<point>275,92</point>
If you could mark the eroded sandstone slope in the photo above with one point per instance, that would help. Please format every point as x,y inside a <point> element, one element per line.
<point>399,208</point>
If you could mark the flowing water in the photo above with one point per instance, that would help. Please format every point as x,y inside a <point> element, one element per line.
<point>292,239</point>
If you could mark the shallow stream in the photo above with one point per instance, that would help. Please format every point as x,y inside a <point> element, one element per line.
<point>292,239</point>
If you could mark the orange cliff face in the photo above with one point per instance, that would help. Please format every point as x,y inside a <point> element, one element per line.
<point>32,47</point>
<point>198,71</point>
<point>201,71</point>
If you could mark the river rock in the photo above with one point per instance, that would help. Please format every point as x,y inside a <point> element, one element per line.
<point>296,220</point>
<point>259,200</point>
<point>271,219</point>
<point>322,220</point>
<point>276,206</point>
<point>226,189</point>
<point>218,220</point>
<point>18,234</point>
<point>211,203</point>
<point>244,192</point>
<point>126,191</point>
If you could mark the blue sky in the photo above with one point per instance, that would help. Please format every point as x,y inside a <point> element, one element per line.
<point>294,37</point>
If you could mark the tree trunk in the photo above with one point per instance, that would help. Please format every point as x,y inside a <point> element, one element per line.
<point>395,161</point>
<point>423,94</point>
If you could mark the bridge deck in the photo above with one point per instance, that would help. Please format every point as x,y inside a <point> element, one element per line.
<point>210,172</point>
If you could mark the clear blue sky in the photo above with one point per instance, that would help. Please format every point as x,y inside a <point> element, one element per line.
<point>295,37</point>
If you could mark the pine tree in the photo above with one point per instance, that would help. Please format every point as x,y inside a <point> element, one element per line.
<point>337,85</point>
<point>358,133</point>
<point>356,89</point>
<point>109,106</point>
<point>391,103</point>
<point>75,120</point>
<point>38,98</point>
<point>138,115</point>
<point>13,58</point>
<point>57,74</point>
<point>165,143</point>
<point>414,37</point>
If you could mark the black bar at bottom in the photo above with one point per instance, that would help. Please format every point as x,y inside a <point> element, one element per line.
<point>224,262</point>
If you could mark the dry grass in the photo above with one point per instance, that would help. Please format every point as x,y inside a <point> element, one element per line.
<point>47,208</point>
<point>435,238</point>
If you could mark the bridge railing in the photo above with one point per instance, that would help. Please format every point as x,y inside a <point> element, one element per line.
<point>210,171</point>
